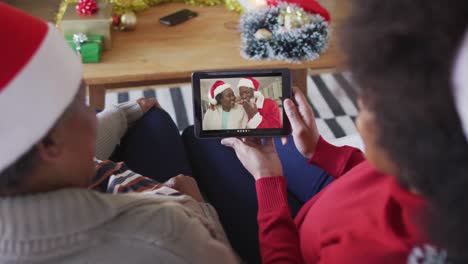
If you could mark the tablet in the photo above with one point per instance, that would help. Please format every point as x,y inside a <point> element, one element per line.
<point>241,103</point>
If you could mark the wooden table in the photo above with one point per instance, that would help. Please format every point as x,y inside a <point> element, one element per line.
<point>157,54</point>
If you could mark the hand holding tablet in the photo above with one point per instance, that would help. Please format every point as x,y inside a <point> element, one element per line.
<point>245,103</point>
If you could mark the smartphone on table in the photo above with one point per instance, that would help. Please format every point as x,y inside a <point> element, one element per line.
<point>178,17</point>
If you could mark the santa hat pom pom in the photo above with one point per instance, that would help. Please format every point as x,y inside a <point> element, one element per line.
<point>213,101</point>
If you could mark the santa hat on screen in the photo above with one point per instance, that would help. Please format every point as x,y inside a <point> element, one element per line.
<point>217,88</point>
<point>311,6</point>
<point>250,83</point>
<point>39,77</point>
<point>460,87</point>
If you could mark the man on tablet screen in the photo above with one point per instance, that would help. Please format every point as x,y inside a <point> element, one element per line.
<point>262,112</point>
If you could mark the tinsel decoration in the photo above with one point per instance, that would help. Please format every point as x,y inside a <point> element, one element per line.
<point>234,5</point>
<point>87,7</point>
<point>296,35</point>
<point>123,6</point>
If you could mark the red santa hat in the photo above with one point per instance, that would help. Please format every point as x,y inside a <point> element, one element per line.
<point>217,88</point>
<point>39,77</point>
<point>250,83</point>
<point>460,87</point>
<point>311,6</point>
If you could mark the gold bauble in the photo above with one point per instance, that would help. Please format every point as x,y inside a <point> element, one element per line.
<point>292,17</point>
<point>128,21</point>
<point>263,33</point>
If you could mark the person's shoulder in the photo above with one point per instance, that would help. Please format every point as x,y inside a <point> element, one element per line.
<point>211,110</point>
<point>214,109</point>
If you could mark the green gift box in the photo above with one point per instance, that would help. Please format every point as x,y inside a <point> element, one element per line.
<point>90,49</point>
<point>98,24</point>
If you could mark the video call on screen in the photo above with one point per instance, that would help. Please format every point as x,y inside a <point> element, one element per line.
<point>228,112</point>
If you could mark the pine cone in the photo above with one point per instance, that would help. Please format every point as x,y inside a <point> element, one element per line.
<point>87,7</point>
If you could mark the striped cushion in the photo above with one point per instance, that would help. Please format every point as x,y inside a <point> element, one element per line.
<point>333,97</point>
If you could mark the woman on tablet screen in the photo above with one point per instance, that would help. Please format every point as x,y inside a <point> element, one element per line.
<point>223,112</point>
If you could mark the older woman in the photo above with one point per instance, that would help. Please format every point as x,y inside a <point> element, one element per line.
<point>224,112</point>
<point>48,142</point>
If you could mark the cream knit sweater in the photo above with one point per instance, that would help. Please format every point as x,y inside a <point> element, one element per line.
<point>84,226</point>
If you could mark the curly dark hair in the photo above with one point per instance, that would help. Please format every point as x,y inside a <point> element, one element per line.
<point>401,54</point>
<point>218,98</point>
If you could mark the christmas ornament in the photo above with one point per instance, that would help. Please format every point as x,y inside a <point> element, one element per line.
<point>87,7</point>
<point>309,6</point>
<point>263,33</point>
<point>128,21</point>
<point>296,35</point>
<point>115,20</point>
<point>293,17</point>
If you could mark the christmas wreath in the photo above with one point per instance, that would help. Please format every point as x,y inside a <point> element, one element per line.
<point>284,31</point>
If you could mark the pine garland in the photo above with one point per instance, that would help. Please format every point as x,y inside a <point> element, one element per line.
<point>293,45</point>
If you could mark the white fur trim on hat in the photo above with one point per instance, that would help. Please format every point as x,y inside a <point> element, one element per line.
<point>246,83</point>
<point>217,91</point>
<point>259,99</point>
<point>38,95</point>
<point>460,80</point>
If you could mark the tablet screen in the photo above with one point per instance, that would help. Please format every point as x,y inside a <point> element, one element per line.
<point>241,103</point>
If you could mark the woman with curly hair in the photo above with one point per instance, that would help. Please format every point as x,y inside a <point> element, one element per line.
<point>406,199</point>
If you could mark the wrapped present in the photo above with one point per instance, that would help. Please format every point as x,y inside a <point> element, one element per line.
<point>98,24</point>
<point>88,46</point>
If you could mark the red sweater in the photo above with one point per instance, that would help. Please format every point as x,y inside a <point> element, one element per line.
<point>362,217</point>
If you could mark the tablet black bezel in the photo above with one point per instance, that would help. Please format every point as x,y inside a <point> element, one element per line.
<point>197,110</point>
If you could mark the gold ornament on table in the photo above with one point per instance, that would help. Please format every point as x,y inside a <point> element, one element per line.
<point>293,17</point>
<point>128,21</point>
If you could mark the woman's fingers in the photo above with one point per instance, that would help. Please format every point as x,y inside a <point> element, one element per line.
<point>232,142</point>
<point>253,141</point>
<point>269,143</point>
<point>297,123</point>
<point>284,141</point>
<point>305,110</point>
<point>148,103</point>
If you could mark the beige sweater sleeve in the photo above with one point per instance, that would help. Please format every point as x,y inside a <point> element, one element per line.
<point>187,237</point>
<point>113,123</point>
<point>212,216</point>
